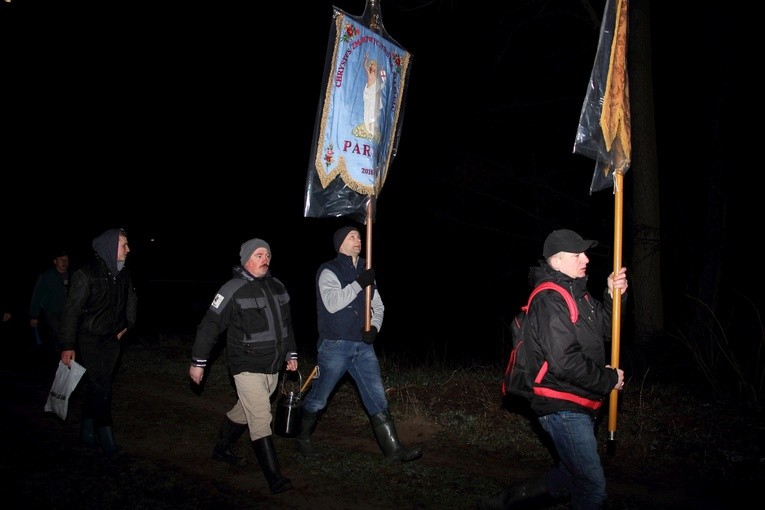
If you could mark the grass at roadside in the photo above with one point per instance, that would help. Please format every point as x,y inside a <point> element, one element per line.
<point>662,429</point>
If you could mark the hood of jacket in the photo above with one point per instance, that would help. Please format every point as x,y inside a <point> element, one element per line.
<point>106,246</point>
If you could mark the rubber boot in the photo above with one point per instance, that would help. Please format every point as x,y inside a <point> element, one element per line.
<point>303,442</point>
<point>105,437</point>
<point>532,494</point>
<point>88,433</point>
<point>229,434</point>
<point>266,454</point>
<point>385,432</point>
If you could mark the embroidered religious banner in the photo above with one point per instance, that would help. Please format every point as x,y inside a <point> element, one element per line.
<point>358,122</point>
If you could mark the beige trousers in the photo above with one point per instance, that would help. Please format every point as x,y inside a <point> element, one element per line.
<point>254,404</point>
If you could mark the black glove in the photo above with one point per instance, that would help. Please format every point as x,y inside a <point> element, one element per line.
<point>366,278</point>
<point>369,336</point>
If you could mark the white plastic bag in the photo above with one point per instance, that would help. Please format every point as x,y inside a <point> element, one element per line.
<point>65,382</point>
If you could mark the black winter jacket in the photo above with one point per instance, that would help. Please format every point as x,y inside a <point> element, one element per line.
<point>102,301</point>
<point>575,354</point>
<point>255,313</point>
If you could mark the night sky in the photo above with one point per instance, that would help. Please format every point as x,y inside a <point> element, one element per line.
<point>192,127</point>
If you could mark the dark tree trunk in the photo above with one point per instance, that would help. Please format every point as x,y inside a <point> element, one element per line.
<point>713,233</point>
<point>644,267</point>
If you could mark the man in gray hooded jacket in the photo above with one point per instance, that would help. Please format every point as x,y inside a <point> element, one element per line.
<point>101,307</point>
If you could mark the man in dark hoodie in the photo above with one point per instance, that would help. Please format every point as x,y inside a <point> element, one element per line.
<point>100,309</point>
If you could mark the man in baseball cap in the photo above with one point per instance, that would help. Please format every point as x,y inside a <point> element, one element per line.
<point>568,397</point>
<point>566,240</point>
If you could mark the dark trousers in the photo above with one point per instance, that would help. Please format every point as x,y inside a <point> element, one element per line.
<point>47,338</point>
<point>49,328</point>
<point>99,356</point>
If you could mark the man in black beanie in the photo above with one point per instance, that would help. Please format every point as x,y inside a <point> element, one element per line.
<point>346,346</point>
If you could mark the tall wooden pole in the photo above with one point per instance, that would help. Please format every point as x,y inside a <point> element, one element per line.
<point>369,288</point>
<point>616,318</point>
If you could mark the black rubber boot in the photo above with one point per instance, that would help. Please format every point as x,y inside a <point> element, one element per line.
<point>532,494</point>
<point>229,434</point>
<point>303,442</point>
<point>385,432</point>
<point>266,454</point>
<point>88,433</point>
<point>105,437</point>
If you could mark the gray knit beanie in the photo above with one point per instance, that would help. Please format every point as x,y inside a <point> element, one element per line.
<point>250,246</point>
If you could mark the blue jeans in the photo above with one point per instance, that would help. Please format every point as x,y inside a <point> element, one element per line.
<point>335,358</point>
<point>579,473</point>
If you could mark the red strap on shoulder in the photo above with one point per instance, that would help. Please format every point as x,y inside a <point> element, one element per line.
<point>572,309</point>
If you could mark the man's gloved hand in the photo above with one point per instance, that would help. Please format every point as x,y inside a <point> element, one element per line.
<point>369,336</point>
<point>366,278</point>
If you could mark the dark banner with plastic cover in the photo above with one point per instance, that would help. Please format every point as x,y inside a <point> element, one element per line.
<point>604,132</point>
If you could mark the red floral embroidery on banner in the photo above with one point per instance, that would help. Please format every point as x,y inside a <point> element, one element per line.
<point>396,61</point>
<point>349,32</point>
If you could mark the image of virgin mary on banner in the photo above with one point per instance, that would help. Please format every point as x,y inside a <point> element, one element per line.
<point>359,118</point>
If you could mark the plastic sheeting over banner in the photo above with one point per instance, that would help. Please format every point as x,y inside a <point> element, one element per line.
<point>359,117</point>
<point>604,132</point>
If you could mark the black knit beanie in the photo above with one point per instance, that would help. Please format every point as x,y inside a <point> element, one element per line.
<point>341,234</point>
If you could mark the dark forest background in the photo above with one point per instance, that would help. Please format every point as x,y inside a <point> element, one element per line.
<point>191,124</point>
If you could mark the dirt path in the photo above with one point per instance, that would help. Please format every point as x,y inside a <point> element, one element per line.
<point>168,432</point>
